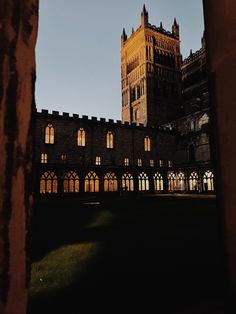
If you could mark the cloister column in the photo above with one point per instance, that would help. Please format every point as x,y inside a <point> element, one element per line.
<point>164,174</point>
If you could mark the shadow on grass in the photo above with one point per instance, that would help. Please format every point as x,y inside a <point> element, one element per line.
<point>165,247</point>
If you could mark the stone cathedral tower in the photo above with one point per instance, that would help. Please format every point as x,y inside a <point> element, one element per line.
<point>150,73</point>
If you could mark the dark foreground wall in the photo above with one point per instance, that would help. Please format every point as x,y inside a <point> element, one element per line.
<point>221,50</point>
<point>18,30</point>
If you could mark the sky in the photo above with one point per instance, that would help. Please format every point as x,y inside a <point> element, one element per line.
<point>78,49</point>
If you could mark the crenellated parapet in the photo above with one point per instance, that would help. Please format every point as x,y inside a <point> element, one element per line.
<point>84,118</point>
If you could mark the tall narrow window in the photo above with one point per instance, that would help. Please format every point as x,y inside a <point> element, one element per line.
<point>170,164</point>
<point>193,182</point>
<point>158,182</point>
<point>161,163</point>
<point>172,181</point>
<point>91,183</point>
<point>208,181</point>
<point>110,140</point>
<point>48,183</point>
<point>139,162</point>
<point>143,182</point>
<point>71,182</point>
<point>44,158</point>
<point>147,144</point>
<point>127,182</point>
<point>98,161</point>
<point>63,157</point>
<point>49,134</point>
<point>152,164</point>
<point>136,115</point>
<point>110,182</point>
<point>126,161</point>
<point>181,181</point>
<point>81,137</point>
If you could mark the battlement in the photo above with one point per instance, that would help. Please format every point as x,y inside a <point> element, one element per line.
<point>65,115</point>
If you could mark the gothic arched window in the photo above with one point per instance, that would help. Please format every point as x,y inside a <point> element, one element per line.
<point>208,181</point>
<point>91,183</point>
<point>158,182</point>
<point>147,144</point>
<point>143,182</point>
<point>110,182</point>
<point>172,182</point>
<point>193,182</point>
<point>181,181</point>
<point>71,182</point>
<point>48,183</point>
<point>49,134</point>
<point>110,140</point>
<point>127,182</point>
<point>81,140</point>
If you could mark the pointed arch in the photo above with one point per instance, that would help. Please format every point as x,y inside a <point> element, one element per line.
<point>193,181</point>
<point>172,181</point>
<point>181,186</point>
<point>49,134</point>
<point>147,144</point>
<point>71,182</point>
<point>158,182</point>
<point>208,181</point>
<point>81,137</point>
<point>91,183</point>
<point>127,181</point>
<point>143,182</point>
<point>48,183</point>
<point>110,182</point>
<point>110,140</point>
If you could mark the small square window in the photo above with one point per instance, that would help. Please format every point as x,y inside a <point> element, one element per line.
<point>44,158</point>
<point>98,161</point>
<point>126,161</point>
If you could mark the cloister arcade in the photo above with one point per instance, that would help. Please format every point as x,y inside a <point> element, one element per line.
<point>68,181</point>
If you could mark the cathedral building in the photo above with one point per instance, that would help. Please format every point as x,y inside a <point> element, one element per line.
<point>151,73</point>
<point>160,146</point>
<point>194,122</point>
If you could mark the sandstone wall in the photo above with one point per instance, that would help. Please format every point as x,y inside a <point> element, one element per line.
<point>221,52</point>
<point>18,31</point>
<point>128,142</point>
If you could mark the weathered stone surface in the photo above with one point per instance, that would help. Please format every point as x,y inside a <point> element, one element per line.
<point>18,32</point>
<point>221,51</point>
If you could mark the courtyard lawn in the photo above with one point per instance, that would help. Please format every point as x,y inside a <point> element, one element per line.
<point>127,244</point>
<point>60,269</point>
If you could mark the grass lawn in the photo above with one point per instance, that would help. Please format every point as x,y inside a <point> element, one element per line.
<point>123,245</point>
<point>60,268</point>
